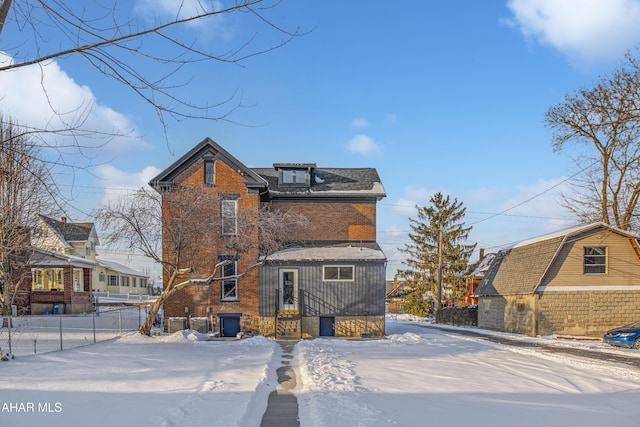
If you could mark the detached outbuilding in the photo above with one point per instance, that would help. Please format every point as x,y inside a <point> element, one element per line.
<point>580,281</point>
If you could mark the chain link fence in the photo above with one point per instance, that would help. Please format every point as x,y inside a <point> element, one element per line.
<point>27,335</point>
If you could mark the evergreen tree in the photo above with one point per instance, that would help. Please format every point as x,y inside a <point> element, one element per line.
<point>436,250</point>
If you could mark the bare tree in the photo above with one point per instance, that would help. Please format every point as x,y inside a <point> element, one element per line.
<point>150,57</point>
<point>605,118</point>
<point>172,228</point>
<point>26,189</point>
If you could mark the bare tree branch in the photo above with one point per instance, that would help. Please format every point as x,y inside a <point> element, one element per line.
<point>605,119</point>
<point>171,228</point>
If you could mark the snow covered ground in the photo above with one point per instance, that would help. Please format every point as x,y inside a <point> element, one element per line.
<point>416,376</point>
<point>41,334</point>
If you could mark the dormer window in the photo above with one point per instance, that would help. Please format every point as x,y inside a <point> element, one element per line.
<point>294,174</point>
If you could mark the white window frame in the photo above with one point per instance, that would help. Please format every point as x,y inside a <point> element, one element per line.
<point>593,267</point>
<point>116,281</point>
<point>340,268</point>
<point>229,217</point>
<point>229,282</point>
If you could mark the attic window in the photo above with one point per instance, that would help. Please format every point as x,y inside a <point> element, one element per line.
<point>209,172</point>
<point>294,177</point>
<point>595,260</point>
<point>294,174</point>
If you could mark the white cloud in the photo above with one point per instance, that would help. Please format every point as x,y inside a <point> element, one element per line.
<point>172,9</point>
<point>584,30</point>
<point>360,123</point>
<point>412,197</point>
<point>117,182</point>
<point>363,144</point>
<point>46,98</point>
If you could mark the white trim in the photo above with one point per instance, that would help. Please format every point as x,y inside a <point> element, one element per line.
<point>597,288</point>
<point>281,303</point>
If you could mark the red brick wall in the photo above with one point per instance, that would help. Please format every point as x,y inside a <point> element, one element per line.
<point>207,248</point>
<point>334,220</point>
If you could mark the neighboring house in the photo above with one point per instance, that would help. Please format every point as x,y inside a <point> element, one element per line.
<point>472,277</point>
<point>580,281</point>
<point>61,283</point>
<point>331,282</point>
<point>113,277</point>
<point>66,270</point>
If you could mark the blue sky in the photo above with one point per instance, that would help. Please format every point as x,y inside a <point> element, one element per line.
<point>437,96</point>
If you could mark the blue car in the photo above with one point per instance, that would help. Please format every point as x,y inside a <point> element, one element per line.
<point>626,336</point>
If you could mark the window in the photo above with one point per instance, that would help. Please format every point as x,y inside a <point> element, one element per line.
<point>125,281</point>
<point>595,260</point>
<point>338,273</point>
<point>37,279</point>
<point>59,280</point>
<point>294,176</point>
<point>230,286</point>
<point>209,172</point>
<point>87,250</point>
<point>229,210</point>
<point>135,282</point>
<point>113,280</point>
<point>101,276</point>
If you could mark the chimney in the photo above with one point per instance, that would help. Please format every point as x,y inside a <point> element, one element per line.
<point>481,253</point>
<point>64,219</point>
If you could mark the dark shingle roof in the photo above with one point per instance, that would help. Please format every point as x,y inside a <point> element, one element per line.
<point>70,232</point>
<point>519,270</point>
<point>325,182</point>
<point>339,182</point>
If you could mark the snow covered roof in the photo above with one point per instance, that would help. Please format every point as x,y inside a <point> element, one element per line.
<point>42,258</point>
<point>122,269</point>
<point>336,252</point>
<point>481,266</point>
<point>570,231</point>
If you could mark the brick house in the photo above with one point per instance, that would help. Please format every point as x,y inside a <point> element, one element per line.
<point>471,278</point>
<point>580,281</point>
<point>330,279</point>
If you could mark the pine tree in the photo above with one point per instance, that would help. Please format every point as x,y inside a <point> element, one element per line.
<point>436,250</point>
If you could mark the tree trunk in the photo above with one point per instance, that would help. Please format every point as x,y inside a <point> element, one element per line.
<point>4,10</point>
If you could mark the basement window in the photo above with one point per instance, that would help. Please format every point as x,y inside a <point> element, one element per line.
<point>595,260</point>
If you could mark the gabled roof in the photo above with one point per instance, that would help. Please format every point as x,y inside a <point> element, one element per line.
<point>325,182</point>
<point>68,232</point>
<point>520,269</point>
<point>207,148</point>
<point>332,182</point>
